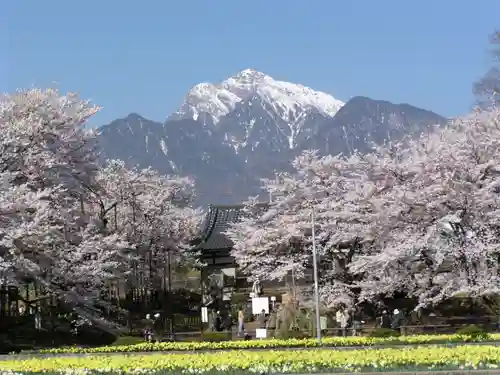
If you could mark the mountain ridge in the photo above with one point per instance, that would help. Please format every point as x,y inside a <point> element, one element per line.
<point>227,154</point>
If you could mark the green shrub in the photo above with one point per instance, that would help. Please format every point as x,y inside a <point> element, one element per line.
<point>473,333</point>
<point>384,332</point>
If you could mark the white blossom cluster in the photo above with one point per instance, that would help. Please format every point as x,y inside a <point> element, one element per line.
<point>420,217</point>
<point>67,222</point>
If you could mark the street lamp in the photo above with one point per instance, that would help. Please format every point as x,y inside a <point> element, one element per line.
<point>315,271</point>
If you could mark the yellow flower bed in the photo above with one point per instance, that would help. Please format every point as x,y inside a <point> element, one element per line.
<point>274,344</point>
<point>274,361</point>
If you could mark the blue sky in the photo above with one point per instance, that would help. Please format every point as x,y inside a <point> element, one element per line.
<point>143,56</point>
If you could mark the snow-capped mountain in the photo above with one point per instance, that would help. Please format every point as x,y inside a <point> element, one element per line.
<point>229,135</point>
<point>254,111</point>
<point>288,101</point>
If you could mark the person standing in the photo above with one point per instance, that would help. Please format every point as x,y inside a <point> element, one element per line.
<point>342,318</point>
<point>397,319</point>
<point>272,321</point>
<point>262,319</point>
<point>346,318</point>
<point>356,322</point>
<point>228,322</point>
<point>217,322</point>
<point>148,331</point>
<point>241,323</point>
<point>338,319</point>
<point>385,320</point>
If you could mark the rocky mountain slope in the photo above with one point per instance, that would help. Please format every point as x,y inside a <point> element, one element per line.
<point>229,135</point>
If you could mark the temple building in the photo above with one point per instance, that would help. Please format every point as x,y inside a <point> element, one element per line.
<point>222,284</point>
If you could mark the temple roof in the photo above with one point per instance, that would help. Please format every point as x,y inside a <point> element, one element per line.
<point>218,219</point>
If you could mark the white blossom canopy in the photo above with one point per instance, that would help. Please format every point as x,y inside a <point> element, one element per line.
<point>419,217</point>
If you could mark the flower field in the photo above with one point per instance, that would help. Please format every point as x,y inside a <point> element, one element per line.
<point>271,361</point>
<point>275,344</point>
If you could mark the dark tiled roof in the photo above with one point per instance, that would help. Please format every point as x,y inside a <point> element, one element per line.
<point>218,219</point>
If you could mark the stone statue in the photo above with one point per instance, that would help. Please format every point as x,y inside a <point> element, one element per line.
<point>213,288</point>
<point>256,288</point>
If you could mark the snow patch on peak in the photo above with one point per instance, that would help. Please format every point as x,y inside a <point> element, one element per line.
<point>207,98</point>
<point>246,83</point>
<point>163,146</point>
<point>288,100</point>
<point>246,78</point>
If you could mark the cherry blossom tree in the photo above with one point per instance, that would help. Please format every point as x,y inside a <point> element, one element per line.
<point>152,211</point>
<point>273,244</point>
<point>47,161</point>
<point>437,235</point>
<point>25,218</point>
<point>418,217</point>
<point>69,224</point>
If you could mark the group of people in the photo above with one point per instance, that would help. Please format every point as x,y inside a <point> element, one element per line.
<point>389,321</point>
<point>221,323</point>
<point>268,322</point>
<point>263,320</point>
<point>345,319</point>
<point>348,319</point>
